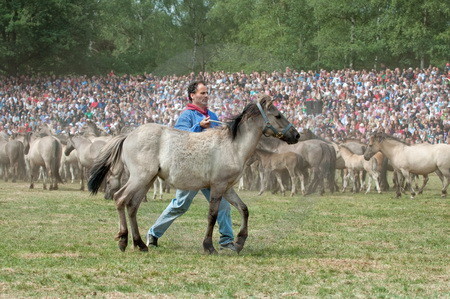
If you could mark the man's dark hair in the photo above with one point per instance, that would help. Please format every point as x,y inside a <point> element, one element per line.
<point>192,88</point>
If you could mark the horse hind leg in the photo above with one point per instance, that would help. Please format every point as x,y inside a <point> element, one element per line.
<point>444,176</point>
<point>130,196</point>
<point>132,209</point>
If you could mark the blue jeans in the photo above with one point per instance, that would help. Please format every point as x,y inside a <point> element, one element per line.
<point>181,203</point>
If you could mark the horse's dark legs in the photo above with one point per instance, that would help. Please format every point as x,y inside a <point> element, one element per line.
<point>234,199</point>
<point>122,236</point>
<point>132,209</point>
<point>83,176</point>
<point>314,182</point>
<point>398,184</point>
<point>130,196</point>
<point>212,217</point>
<point>424,183</point>
<point>445,182</point>
<point>407,177</point>
<point>33,173</point>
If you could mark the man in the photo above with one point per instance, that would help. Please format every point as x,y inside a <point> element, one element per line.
<point>195,118</point>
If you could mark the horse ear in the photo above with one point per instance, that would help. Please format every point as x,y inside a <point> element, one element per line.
<point>265,101</point>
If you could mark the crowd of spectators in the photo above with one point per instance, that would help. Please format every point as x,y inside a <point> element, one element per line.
<point>412,104</point>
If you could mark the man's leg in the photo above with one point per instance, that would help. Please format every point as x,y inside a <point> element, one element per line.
<point>177,207</point>
<point>223,219</point>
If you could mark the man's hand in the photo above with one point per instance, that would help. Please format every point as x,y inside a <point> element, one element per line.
<point>205,123</point>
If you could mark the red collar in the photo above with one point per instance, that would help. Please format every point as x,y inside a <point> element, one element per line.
<point>191,106</point>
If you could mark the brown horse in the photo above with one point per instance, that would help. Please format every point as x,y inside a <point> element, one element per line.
<point>276,164</point>
<point>189,161</point>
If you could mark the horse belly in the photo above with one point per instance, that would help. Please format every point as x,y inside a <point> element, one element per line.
<point>421,167</point>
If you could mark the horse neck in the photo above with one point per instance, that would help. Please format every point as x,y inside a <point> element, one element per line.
<point>345,153</point>
<point>79,142</point>
<point>248,136</point>
<point>388,147</point>
<point>262,156</point>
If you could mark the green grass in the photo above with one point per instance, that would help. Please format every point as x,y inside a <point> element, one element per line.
<point>61,244</point>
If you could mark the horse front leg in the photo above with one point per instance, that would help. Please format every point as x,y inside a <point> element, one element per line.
<point>212,218</point>
<point>407,177</point>
<point>369,182</point>
<point>234,199</point>
<point>280,182</point>
<point>264,179</point>
<point>376,177</point>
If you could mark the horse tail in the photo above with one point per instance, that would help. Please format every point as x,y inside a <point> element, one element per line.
<point>107,158</point>
<point>57,161</point>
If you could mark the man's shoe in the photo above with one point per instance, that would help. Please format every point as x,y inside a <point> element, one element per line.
<point>229,246</point>
<point>152,241</point>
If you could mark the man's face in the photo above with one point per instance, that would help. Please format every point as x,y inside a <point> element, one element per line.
<point>200,97</point>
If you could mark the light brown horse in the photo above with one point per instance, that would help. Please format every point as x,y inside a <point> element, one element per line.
<point>356,163</point>
<point>4,159</point>
<point>15,152</point>
<point>43,152</point>
<point>87,152</point>
<point>421,159</point>
<point>189,161</point>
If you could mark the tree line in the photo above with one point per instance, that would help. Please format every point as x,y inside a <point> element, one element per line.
<point>177,37</point>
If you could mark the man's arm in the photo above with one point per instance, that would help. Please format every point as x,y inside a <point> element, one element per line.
<point>188,122</point>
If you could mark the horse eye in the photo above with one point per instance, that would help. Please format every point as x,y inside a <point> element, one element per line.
<point>278,116</point>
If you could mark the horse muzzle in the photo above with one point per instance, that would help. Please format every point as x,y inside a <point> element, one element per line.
<point>290,137</point>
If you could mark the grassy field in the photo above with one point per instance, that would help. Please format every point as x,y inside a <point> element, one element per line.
<point>61,244</point>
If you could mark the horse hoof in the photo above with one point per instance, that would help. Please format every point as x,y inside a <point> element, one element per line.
<point>143,249</point>
<point>122,246</point>
<point>211,251</point>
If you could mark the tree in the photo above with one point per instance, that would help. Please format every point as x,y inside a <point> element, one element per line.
<point>47,35</point>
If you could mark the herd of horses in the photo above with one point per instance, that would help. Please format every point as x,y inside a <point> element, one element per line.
<point>256,150</point>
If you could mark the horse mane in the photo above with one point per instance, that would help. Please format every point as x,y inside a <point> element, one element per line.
<point>383,136</point>
<point>352,140</point>
<point>345,147</point>
<point>249,111</point>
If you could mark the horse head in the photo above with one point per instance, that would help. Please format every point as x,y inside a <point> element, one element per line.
<point>374,145</point>
<point>70,146</point>
<point>26,142</point>
<point>275,123</point>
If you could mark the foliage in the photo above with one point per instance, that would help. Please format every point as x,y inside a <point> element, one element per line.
<point>171,36</point>
<point>61,244</point>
